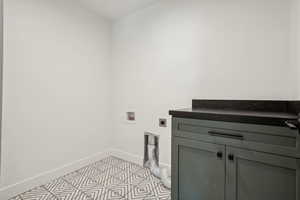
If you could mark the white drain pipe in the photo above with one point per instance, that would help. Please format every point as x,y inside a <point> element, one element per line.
<point>165,176</point>
<point>152,163</point>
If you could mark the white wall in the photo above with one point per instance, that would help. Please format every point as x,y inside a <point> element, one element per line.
<point>174,51</point>
<point>295,39</point>
<point>297,25</point>
<point>56,87</point>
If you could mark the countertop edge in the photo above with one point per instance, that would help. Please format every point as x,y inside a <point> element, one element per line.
<point>263,120</point>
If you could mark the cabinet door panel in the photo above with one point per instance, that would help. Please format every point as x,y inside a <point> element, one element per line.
<point>199,172</point>
<point>259,176</point>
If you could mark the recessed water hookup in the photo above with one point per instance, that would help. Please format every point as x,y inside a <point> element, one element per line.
<point>130,116</point>
<point>151,149</point>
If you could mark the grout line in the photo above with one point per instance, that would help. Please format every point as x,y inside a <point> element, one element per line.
<point>20,195</point>
<point>49,192</point>
<point>16,197</point>
<point>79,189</point>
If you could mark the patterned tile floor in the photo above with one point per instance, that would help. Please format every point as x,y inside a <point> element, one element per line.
<point>108,179</point>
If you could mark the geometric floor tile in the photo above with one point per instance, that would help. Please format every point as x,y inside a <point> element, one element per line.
<point>57,186</point>
<point>102,166</point>
<point>110,195</point>
<point>112,171</point>
<point>72,194</point>
<point>96,192</point>
<point>137,193</point>
<point>146,174</point>
<point>88,170</point>
<point>156,191</point>
<point>157,198</point>
<point>39,193</point>
<point>129,167</point>
<point>147,187</point>
<point>16,198</point>
<point>161,190</point>
<point>108,179</point>
<point>122,189</point>
<point>100,177</point>
<point>122,175</point>
<point>134,180</point>
<point>81,182</point>
<point>112,161</point>
<point>111,182</point>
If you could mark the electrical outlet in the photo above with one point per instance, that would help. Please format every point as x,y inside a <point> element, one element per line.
<point>163,123</point>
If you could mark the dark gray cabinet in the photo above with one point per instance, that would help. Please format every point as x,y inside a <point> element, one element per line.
<point>196,175</point>
<point>234,161</point>
<point>259,176</point>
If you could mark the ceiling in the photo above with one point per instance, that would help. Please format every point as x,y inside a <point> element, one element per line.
<point>114,9</point>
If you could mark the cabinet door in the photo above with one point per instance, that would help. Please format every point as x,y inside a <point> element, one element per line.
<point>198,170</point>
<point>259,176</point>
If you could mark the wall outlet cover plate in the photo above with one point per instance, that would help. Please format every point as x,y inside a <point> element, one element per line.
<point>162,122</point>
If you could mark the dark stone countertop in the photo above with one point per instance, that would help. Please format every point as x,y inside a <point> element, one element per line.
<point>255,112</point>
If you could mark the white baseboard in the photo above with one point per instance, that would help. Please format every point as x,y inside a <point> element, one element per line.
<point>41,179</point>
<point>132,157</point>
<point>127,156</point>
